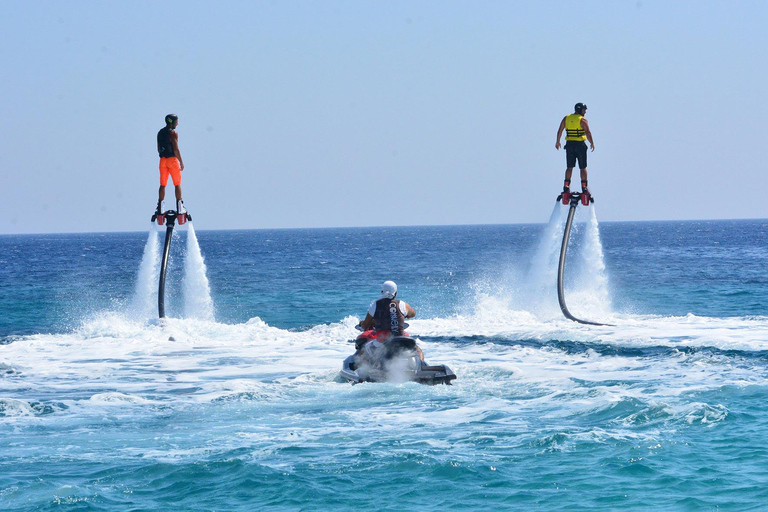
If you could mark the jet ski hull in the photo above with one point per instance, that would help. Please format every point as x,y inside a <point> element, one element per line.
<point>398,362</point>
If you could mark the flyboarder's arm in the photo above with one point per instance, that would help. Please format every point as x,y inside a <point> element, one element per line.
<point>175,143</point>
<point>367,323</point>
<point>560,133</point>
<point>585,126</point>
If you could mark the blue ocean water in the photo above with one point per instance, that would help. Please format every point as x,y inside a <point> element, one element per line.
<point>99,410</point>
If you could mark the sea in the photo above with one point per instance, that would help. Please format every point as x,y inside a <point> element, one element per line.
<point>233,402</point>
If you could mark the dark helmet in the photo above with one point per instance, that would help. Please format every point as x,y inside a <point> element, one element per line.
<point>171,118</point>
<point>579,108</point>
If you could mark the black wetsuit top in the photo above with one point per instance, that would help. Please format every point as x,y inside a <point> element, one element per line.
<point>388,317</point>
<point>164,146</point>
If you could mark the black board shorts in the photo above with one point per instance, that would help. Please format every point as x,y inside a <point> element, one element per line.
<point>576,150</point>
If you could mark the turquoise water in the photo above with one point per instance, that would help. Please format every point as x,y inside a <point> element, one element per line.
<point>99,410</point>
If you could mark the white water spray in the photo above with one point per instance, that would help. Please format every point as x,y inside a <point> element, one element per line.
<point>540,294</point>
<point>144,303</point>
<point>586,281</point>
<point>197,293</point>
<point>590,293</point>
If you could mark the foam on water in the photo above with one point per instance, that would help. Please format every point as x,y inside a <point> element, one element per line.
<point>269,396</point>
<point>128,357</point>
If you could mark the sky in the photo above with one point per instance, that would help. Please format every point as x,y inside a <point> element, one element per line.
<point>301,114</point>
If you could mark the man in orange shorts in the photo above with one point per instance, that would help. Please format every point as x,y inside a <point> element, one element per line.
<point>170,162</point>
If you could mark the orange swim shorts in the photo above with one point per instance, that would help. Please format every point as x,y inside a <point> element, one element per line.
<point>170,166</point>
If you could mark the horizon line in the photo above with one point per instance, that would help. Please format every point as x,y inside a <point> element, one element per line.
<point>297,228</point>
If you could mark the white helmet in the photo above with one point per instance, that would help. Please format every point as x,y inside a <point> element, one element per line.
<point>388,290</point>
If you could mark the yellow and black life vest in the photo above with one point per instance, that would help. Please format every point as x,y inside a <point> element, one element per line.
<point>573,129</point>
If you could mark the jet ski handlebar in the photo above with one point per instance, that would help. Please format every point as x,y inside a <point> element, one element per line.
<point>359,327</point>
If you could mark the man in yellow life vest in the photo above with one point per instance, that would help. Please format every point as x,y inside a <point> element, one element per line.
<point>576,131</point>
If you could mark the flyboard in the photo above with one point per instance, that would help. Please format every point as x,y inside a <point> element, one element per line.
<point>573,199</point>
<point>169,218</point>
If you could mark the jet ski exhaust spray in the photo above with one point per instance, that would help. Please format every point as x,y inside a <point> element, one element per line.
<point>573,199</point>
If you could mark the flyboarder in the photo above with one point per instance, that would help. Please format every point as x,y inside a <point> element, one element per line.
<point>170,162</point>
<point>577,130</point>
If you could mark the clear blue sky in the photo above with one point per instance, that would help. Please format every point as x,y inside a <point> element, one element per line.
<point>360,113</point>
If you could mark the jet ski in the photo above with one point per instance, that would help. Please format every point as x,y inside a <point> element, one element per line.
<point>381,357</point>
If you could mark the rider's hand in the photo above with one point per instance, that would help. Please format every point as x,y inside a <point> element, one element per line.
<point>557,145</point>
<point>592,145</point>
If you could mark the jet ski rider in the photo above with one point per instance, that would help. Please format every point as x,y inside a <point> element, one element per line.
<point>387,315</point>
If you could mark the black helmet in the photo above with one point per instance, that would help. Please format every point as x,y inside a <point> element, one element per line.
<point>579,108</point>
<point>171,118</point>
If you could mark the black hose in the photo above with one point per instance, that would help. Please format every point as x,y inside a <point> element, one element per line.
<point>561,269</point>
<point>170,221</point>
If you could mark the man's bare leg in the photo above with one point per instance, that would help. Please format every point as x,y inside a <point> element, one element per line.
<point>160,197</point>
<point>179,203</point>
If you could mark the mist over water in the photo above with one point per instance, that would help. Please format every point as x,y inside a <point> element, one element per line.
<point>245,412</point>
